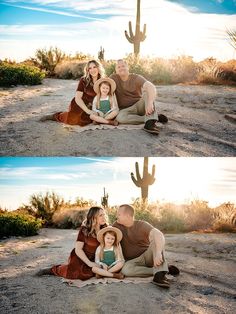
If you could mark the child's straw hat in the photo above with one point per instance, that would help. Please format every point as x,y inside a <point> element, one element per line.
<point>104,79</point>
<point>106,229</point>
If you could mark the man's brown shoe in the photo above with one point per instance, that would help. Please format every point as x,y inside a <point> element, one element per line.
<point>162,118</point>
<point>173,270</point>
<point>151,126</point>
<point>160,280</point>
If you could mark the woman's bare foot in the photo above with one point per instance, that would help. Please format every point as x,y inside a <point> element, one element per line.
<point>118,275</point>
<point>113,122</point>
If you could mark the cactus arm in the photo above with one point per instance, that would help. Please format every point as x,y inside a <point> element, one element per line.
<point>153,170</point>
<point>138,173</point>
<point>136,182</point>
<point>128,38</point>
<point>130,30</point>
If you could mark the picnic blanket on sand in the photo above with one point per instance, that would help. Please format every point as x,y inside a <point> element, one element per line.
<point>79,129</point>
<point>94,281</point>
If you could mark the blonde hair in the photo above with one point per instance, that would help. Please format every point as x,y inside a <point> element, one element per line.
<point>88,77</point>
<point>99,94</point>
<point>102,245</point>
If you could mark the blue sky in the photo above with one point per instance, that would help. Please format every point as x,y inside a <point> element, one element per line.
<point>196,28</point>
<point>177,179</point>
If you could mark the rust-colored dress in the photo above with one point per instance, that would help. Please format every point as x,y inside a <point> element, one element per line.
<point>76,268</point>
<point>75,115</point>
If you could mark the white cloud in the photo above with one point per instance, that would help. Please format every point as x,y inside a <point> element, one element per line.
<point>171,30</point>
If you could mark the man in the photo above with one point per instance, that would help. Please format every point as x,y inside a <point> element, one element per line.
<point>143,248</point>
<point>136,97</point>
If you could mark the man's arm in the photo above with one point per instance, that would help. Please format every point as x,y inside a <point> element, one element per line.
<point>158,240</point>
<point>150,90</point>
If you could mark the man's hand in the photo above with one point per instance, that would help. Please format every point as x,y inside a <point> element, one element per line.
<point>157,259</point>
<point>149,109</point>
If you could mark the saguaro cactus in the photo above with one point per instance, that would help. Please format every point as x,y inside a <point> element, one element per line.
<point>146,180</point>
<point>139,36</point>
<point>101,54</point>
<point>104,199</point>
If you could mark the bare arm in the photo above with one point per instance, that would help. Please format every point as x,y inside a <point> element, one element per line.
<point>158,240</point>
<point>80,253</point>
<point>150,90</point>
<point>114,103</point>
<point>80,102</point>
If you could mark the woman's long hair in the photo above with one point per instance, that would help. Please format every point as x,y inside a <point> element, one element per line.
<point>115,244</point>
<point>91,220</point>
<point>99,94</point>
<point>88,77</point>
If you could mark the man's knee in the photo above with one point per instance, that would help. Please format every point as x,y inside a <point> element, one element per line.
<point>127,269</point>
<point>121,117</point>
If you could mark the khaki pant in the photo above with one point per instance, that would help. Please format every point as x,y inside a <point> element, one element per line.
<point>142,266</point>
<point>135,114</point>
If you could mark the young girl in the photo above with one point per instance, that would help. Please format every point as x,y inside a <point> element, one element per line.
<point>105,107</point>
<point>109,254</point>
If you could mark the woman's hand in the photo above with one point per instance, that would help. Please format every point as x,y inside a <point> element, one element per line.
<point>93,264</point>
<point>104,266</point>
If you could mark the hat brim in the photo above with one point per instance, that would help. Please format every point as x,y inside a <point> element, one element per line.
<point>109,228</point>
<point>104,79</point>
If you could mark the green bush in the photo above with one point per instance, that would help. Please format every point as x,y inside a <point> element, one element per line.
<point>17,74</point>
<point>14,224</point>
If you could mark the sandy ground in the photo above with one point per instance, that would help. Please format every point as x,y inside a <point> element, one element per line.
<point>207,282</point>
<point>197,125</point>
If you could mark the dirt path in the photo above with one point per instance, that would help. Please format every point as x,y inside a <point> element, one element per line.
<point>197,125</point>
<point>207,283</point>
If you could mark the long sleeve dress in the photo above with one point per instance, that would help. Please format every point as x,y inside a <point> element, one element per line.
<point>76,268</point>
<point>75,115</point>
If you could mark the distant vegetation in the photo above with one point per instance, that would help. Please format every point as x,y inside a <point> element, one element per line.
<point>50,210</point>
<point>19,74</point>
<point>18,224</point>
<point>55,63</point>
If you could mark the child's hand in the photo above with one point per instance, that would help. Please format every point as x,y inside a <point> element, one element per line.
<point>104,266</point>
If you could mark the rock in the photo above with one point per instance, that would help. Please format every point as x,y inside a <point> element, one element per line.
<point>207,291</point>
<point>230,117</point>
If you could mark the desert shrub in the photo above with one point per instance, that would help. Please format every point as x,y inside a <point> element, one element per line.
<point>227,71</point>
<point>159,73</point>
<point>47,59</point>
<point>70,69</point>
<point>17,74</point>
<point>199,216</point>
<point>171,219</point>
<point>44,206</point>
<point>109,67</point>
<point>225,218</point>
<point>14,224</point>
<point>183,69</point>
<point>69,218</point>
<point>208,72</point>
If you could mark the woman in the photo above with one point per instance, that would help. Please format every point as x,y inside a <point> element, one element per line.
<point>82,257</point>
<point>81,105</point>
